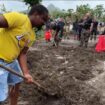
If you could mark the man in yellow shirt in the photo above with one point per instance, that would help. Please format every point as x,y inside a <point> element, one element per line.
<point>16,36</point>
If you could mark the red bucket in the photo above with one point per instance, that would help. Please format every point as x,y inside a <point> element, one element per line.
<point>100,47</point>
<point>47,35</point>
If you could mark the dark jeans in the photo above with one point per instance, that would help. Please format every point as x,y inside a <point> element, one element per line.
<point>79,33</point>
<point>93,34</point>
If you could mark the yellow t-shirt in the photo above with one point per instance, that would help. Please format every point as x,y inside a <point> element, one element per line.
<point>18,35</point>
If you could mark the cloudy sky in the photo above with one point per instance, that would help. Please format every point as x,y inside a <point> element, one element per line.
<point>13,5</point>
<point>72,4</point>
<point>62,4</point>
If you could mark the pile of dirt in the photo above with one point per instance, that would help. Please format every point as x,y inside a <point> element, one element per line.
<point>63,71</point>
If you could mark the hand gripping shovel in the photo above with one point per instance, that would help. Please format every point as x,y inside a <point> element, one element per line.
<point>39,88</point>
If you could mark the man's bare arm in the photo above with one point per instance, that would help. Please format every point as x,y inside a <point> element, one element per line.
<point>23,64</point>
<point>23,60</point>
<point>3,22</point>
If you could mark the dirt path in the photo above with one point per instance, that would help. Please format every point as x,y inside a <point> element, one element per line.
<point>72,72</point>
<point>98,81</point>
<point>66,42</point>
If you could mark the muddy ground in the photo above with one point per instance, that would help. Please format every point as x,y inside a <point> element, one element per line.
<point>63,71</point>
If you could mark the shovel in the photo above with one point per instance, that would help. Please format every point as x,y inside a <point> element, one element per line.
<point>39,88</point>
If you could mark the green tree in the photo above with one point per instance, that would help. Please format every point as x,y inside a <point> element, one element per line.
<point>70,11</point>
<point>99,11</point>
<point>103,18</point>
<point>32,2</point>
<point>83,9</point>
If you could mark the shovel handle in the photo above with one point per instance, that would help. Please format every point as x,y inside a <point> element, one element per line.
<point>12,71</point>
<point>15,73</point>
<point>39,87</point>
